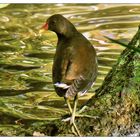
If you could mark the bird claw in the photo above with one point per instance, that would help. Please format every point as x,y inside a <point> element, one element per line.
<point>82,109</point>
<point>66,119</point>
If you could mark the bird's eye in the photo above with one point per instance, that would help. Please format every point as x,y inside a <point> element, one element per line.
<point>53,22</point>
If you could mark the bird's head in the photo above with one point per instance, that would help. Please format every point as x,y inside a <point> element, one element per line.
<point>60,25</point>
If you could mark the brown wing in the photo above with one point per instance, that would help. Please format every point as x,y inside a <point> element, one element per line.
<point>81,71</point>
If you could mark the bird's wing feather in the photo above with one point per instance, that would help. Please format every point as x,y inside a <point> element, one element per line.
<point>77,86</point>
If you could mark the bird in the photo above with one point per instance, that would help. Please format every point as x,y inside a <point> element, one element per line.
<point>75,64</point>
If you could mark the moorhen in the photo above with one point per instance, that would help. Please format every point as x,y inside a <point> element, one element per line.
<point>75,62</point>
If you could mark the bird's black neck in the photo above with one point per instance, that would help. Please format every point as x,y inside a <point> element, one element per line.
<point>67,35</point>
<point>61,36</point>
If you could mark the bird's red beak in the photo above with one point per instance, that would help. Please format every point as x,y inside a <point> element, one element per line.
<point>45,26</point>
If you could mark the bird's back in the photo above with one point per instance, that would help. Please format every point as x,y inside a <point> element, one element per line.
<point>75,64</point>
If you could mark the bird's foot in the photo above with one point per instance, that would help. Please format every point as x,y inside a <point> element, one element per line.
<point>66,119</point>
<point>82,109</point>
<point>77,115</point>
<point>86,116</point>
<point>74,128</point>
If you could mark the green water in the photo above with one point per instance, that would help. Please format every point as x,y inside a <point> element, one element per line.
<point>26,56</point>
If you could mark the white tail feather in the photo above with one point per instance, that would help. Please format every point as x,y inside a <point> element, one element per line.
<point>61,85</point>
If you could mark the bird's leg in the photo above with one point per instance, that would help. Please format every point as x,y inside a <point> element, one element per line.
<point>73,117</point>
<point>68,104</point>
<point>77,114</point>
<point>74,108</point>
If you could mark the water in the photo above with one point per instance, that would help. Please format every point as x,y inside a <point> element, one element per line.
<point>26,56</point>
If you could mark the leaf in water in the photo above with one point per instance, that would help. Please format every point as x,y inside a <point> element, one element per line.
<point>127,46</point>
<point>12,92</point>
<point>18,67</point>
<point>7,48</point>
<point>40,55</point>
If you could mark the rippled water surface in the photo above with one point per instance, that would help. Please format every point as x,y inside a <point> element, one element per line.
<point>26,55</point>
